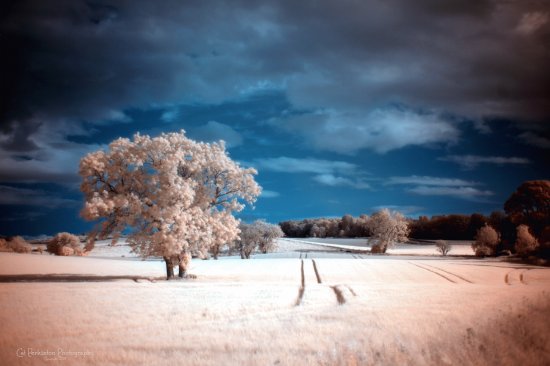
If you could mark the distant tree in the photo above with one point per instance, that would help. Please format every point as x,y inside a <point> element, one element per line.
<point>443,247</point>
<point>58,243</point>
<point>174,196</point>
<point>257,235</point>
<point>346,225</point>
<point>530,205</point>
<point>525,242</point>
<point>248,240</point>
<point>486,241</point>
<point>387,228</point>
<point>269,235</point>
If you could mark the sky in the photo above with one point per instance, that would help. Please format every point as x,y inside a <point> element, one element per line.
<point>344,107</point>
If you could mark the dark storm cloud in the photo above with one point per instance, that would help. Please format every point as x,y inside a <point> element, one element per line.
<point>66,62</point>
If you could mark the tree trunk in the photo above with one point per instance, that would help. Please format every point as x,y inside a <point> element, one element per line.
<point>183,262</point>
<point>215,251</point>
<point>169,268</point>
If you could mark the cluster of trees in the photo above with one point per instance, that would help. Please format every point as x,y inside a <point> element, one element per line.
<point>258,235</point>
<point>173,196</point>
<point>346,227</point>
<point>450,227</point>
<point>15,244</point>
<point>488,241</point>
<point>523,227</point>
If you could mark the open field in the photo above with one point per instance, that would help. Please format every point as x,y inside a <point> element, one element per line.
<point>305,304</point>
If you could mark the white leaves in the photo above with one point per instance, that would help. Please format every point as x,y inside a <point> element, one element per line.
<point>176,195</point>
<point>387,228</point>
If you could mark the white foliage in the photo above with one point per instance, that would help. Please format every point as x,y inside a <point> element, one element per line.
<point>486,241</point>
<point>175,195</point>
<point>387,228</point>
<point>525,242</point>
<point>443,247</point>
<point>259,234</point>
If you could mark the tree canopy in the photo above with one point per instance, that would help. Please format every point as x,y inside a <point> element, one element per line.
<point>172,195</point>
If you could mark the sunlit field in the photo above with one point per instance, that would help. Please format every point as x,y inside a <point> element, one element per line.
<point>304,304</point>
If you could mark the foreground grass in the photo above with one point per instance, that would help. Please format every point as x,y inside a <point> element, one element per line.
<point>350,312</point>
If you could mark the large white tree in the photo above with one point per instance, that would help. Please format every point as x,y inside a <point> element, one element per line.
<point>386,229</point>
<point>174,196</point>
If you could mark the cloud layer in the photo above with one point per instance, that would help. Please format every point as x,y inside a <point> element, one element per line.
<point>472,161</point>
<point>437,186</point>
<point>346,64</point>
<point>326,172</point>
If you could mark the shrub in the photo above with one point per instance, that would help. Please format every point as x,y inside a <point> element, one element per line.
<point>443,247</point>
<point>377,249</point>
<point>4,246</point>
<point>19,245</point>
<point>525,242</point>
<point>486,241</point>
<point>64,240</point>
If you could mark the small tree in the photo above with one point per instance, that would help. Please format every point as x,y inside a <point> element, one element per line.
<point>248,240</point>
<point>269,234</point>
<point>173,195</point>
<point>58,243</point>
<point>258,235</point>
<point>525,242</point>
<point>387,228</point>
<point>486,241</point>
<point>443,247</point>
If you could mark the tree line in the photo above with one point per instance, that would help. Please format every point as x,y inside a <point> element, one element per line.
<point>528,207</point>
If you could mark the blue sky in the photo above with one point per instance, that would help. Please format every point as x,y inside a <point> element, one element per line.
<point>342,106</point>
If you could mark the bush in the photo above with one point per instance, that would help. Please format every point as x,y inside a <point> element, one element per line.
<point>64,240</point>
<point>19,245</point>
<point>486,241</point>
<point>377,249</point>
<point>443,247</point>
<point>525,242</point>
<point>4,246</point>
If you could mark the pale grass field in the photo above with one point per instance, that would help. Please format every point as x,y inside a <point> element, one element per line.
<point>353,310</point>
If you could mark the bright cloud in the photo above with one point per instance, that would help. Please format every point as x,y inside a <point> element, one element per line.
<point>381,130</point>
<point>269,194</point>
<point>306,165</point>
<point>333,181</point>
<point>327,172</point>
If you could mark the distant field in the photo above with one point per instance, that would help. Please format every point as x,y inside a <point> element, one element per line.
<point>303,305</point>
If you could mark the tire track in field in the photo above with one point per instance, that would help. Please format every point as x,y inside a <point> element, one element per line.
<point>448,272</point>
<point>508,277</point>
<point>339,295</point>
<point>302,287</point>
<point>351,290</point>
<point>316,272</point>
<point>432,271</point>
